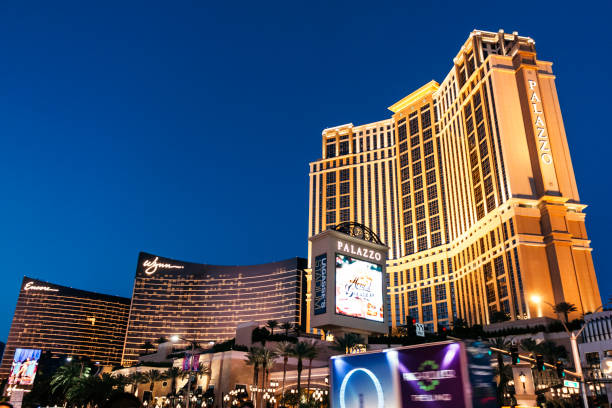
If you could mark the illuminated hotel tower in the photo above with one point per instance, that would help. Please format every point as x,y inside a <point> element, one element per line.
<point>471,185</point>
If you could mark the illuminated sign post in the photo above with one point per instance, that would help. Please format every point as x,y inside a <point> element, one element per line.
<point>349,283</point>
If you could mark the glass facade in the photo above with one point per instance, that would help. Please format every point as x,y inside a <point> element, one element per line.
<point>67,322</point>
<point>207,302</point>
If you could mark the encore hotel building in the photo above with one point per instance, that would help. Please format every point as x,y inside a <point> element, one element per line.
<point>67,322</point>
<point>471,185</point>
<point>207,302</point>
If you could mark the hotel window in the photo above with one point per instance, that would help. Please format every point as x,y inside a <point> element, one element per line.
<point>344,201</point>
<point>486,167</point>
<point>432,191</point>
<point>409,248</point>
<point>425,295</point>
<point>434,223</point>
<point>343,148</point>
<point>416,168</point>
<point>484,149</point>
<point>426,118</point>
<point>492,237</point>
<point>408,232</point>
<point>331,150</point>
<point>442,310</point>
<point>433,208</point>
<point>421,228</point>
<point>428,148</point>
<point>405,173</point>
<point>408,217</point>
<point>331,203</point>
<point>422,243</point>
<point>427,313</point>
<point>418,197</point>
<point>416,154</point>
<point>488,272</point>
<point>344,215</point>
<point>414,126</point>
<point>499,266</point>
<point>426,134</point>
<point>331,190</point>
<point>405,188</point>
<point>414,141</point>
<point>344,175</point>
<point>420,212</point>
<point>401,132</point>
<point>344,187</point>
<point>331,217</point>
<point>441,292</point>
<point>407,201</point>
<point>404,160</point>
<point>403,147</point>
<point>429,163</point>
<point>418,183</point>
<point>331,177</point>
<point>490,293</point>
<point>412,298</point>
<point>502,288</point>
<point>436,239</point>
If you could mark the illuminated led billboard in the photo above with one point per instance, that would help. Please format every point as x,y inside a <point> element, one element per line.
<point>434,375</point>
<point>359,288</point>
<point>25,364</point>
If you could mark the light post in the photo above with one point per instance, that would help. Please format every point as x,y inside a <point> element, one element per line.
<point>573,336</point>
<point>176,338</point>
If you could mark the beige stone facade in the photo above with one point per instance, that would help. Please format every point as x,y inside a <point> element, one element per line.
<point>471,185</point>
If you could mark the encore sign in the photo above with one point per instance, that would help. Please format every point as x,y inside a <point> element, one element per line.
<point>540,126</point>
<point>32,286</point>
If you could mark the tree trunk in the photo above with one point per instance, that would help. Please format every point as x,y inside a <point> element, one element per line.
<point>285,359</point>
<point>299,375</point>
<point>309,372</point>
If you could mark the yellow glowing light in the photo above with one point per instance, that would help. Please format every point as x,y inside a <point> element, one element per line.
<point>426,89</point>
<point>536,299</point>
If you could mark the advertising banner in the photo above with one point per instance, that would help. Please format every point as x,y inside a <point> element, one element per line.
<point>431,375</point>
<point>320,278</point>
<point>359,291</point>
<point>25,364</point>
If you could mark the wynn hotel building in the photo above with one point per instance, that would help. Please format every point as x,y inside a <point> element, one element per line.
<point>67,322</point>
<point>204,303</point>
<point>471,185</point>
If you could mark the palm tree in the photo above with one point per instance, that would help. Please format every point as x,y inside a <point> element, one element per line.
<point>551,351</point>
<point>267,361</point>
<point>67,376</point>
<point>564,309</point>
<point>136,378</point>
<point>301,350</point>
<point>311,355</point>
<point>346,342</point>
<point>147,345</point>
<point>172,374</point>
<point>284,349</point>
<point>253,357</point>
<point>152,377</point>
<point>529,345</point>
<point>272,324</point>
<point>204,370</point>
<point>286,327</point>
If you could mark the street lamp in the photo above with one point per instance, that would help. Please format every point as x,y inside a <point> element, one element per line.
<point>176,338</point>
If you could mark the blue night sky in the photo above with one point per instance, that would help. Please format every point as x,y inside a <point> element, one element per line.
<point>186,128</point>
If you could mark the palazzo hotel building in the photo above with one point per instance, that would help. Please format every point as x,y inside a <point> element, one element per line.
<point>471,185</point>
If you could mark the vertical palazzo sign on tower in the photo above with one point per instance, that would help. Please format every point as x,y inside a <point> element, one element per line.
<point>349,276</point>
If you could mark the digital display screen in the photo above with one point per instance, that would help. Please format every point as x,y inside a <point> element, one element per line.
<point>25,364</point>
<point>359,288</point>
